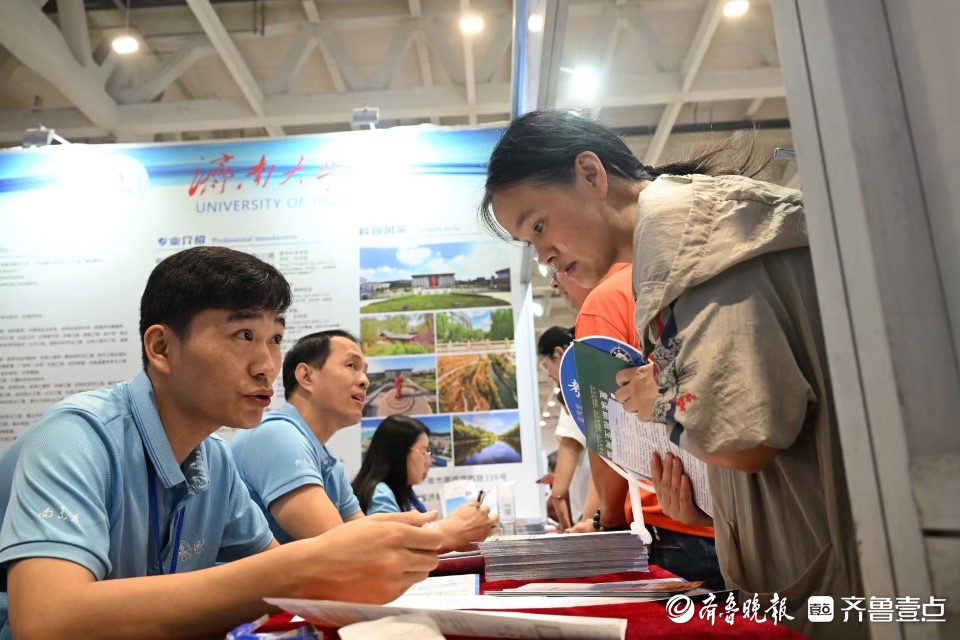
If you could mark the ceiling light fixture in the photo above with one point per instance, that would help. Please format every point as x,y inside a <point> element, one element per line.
<point>471,24</point>
<point>585,83</point>
<point>369,116</point>
<point>735,8</point>
<point>41,137</point>
<point>546,414</point>
<point>126,44</point>
<point>535,23</point>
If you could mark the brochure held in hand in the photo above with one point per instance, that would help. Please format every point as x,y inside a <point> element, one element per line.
<point>588,382</point>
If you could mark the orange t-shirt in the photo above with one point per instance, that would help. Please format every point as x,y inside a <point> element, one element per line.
<point>609,308</point>
<point>608,311</point>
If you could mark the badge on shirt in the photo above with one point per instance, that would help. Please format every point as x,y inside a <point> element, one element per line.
<point>569,386</point>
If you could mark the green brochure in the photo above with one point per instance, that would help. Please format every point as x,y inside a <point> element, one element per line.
<point>621,437</point>
<point>597,374</point>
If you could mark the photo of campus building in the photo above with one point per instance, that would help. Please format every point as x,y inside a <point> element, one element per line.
<point>452,275</point>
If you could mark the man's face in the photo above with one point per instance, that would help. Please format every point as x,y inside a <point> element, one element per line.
<point>222,370</point>
<point>340,387</point>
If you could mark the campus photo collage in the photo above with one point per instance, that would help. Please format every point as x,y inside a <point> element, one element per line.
<point>439,340</point>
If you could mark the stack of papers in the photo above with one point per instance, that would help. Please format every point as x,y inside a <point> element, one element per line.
<point>459,585</point>
<point>484,624</point>
<point>575,555</point>
<point>656,589</point>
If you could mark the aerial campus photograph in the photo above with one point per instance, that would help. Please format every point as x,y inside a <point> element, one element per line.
<point>426,277</point>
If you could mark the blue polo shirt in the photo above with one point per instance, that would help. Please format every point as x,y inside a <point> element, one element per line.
<point>383,500</point>
<point>283,454</point>
<point>75,487</point>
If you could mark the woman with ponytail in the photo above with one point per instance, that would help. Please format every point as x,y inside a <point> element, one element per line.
<point>726,309</point>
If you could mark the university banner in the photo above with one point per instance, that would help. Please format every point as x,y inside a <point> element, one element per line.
<point>375,230</point>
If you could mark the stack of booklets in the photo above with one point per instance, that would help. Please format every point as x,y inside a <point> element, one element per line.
<point>577,555</point>
<point>655,589</point>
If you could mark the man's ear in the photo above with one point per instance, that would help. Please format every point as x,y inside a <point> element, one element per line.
<point>304,375</point>
<point>589,172</point>
<point>157,340</point>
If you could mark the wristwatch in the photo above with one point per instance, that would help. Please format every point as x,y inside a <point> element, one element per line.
<point>599,527</point>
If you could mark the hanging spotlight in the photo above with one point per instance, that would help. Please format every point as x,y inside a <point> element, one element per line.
<point>126,44</point>
<point>471,24</point>
<point>41,137</point>
<point>735,8</point>
<point>365,115</point>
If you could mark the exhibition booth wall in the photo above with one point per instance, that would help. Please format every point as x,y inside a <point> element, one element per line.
<point>376,232</point>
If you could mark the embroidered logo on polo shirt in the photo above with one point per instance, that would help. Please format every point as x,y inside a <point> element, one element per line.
<point>64,514</point>
<point>187,550</point>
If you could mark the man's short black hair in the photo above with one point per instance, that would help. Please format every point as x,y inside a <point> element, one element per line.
<point>312,349</point>
<point>201,278</point>
<point>552,338</point>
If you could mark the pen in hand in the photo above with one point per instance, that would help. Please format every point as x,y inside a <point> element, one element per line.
<point>480,497</point>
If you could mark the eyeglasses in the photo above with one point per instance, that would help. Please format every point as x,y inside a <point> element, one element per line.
<point>426,452</point>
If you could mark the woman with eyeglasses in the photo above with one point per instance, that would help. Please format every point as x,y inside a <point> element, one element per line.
<point>398,458</point>
<point>726,307</point>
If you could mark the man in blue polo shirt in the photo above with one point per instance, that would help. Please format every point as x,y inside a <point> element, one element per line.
<point>292,476</point>
<point>112,486</point>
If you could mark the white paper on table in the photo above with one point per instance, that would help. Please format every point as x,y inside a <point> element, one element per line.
<point>392,628</point>
<point>633,442</point>
<point>500,603</point>
<point>456,585</point>
<point>490,624</point>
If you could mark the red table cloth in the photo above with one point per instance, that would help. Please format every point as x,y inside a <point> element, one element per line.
<point>645,620</point>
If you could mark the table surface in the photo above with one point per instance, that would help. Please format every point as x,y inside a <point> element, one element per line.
<point>648,620</point>
<point>645,620</point>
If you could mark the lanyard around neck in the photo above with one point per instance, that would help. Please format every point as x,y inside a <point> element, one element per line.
<point>155,517</point>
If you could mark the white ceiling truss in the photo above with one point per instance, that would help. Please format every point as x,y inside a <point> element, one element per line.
<point>280,67</point>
